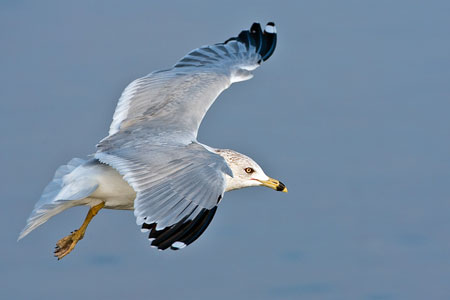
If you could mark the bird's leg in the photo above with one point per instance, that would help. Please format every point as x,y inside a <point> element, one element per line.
<point>65,245</point>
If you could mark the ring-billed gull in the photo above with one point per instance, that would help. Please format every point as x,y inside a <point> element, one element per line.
<point>151,161</point>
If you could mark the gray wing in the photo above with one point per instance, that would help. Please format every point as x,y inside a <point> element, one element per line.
<point>178,98</point>
<point>177,187</point>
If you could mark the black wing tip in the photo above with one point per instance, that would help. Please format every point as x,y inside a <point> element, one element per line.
<point>181,234</point>
<point>264,41</point>
<point>269,29</point>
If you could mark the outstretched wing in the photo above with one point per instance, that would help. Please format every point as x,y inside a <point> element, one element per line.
<point>178,98</point>
<point>177,187</point>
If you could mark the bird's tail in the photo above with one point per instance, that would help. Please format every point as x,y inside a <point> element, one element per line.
<point>60,194</point>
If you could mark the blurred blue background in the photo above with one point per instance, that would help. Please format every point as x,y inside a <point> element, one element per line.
<point>351,113</point>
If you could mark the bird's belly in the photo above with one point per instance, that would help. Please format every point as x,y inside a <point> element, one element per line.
<point>112,189</point>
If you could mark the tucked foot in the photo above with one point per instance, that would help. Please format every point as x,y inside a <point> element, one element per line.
<point>65,245</point>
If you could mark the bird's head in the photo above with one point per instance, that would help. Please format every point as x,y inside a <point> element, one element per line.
<point>246,173</point>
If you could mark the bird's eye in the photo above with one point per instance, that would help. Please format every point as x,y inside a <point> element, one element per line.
<point>249,170</point>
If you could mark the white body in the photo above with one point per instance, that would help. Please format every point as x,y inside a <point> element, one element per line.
<point>115,192</point>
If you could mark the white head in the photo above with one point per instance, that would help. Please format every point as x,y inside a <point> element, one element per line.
<point>246,172</point>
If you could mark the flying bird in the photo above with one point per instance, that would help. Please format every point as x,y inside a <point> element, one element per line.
<point>151,161</point>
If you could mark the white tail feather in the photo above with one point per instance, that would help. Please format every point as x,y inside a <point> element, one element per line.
<point>60,194</point>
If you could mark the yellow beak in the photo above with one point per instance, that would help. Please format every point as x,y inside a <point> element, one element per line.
<point>274,184</point>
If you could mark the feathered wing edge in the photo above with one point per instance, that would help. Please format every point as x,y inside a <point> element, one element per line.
<point>181,234</point>
<point>259,46</point>
<point>264,42</point>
